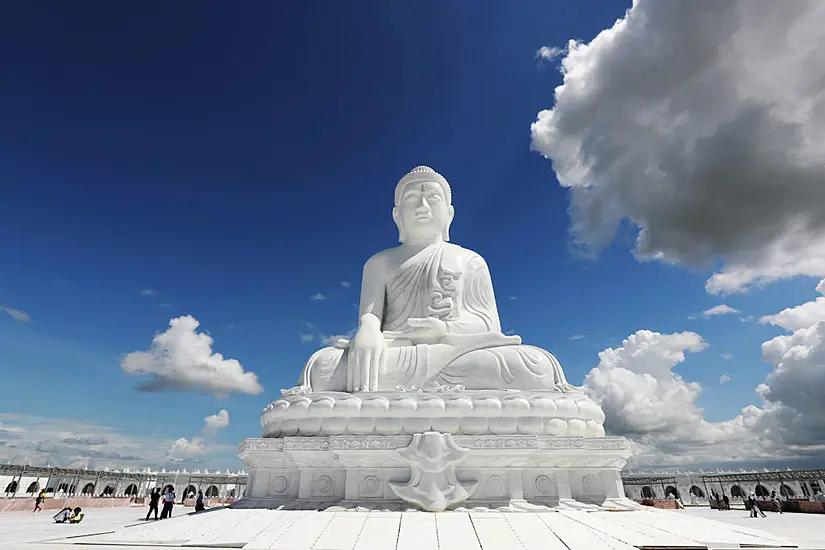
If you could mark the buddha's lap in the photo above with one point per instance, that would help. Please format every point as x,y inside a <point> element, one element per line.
<point>503,367</point>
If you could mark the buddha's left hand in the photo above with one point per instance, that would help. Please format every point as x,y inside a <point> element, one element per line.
<point>427,330</point>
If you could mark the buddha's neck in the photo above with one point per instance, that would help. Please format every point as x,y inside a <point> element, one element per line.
<point>420,244</point>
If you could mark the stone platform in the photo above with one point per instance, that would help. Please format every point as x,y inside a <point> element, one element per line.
<point>434,471</point>
<point>490,530</point>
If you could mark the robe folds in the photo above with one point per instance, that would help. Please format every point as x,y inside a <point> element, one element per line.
<point>453,284</point>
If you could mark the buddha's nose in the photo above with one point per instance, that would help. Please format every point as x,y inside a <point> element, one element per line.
<point>423,205</point>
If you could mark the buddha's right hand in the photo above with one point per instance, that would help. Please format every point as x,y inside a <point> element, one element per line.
<point>367,356</point>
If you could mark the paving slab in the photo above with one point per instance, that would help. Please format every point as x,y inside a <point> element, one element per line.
<point>313,530</point>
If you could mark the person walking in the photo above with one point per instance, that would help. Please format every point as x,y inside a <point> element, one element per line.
<point>199,502</point>
<point>776,502</point>
<point>153,503</point>
<point>168,504</point>
<point>41,497</point>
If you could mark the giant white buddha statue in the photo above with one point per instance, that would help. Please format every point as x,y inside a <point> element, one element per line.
<point>428,316</point>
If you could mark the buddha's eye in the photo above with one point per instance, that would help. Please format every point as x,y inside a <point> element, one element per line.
<point>434,197</point>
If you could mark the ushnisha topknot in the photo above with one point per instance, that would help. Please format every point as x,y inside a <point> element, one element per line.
<point>420,174</point>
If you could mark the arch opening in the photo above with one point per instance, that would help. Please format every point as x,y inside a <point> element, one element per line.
<point>212,492</point>
<point>647,492</point>
<point>697,491</point>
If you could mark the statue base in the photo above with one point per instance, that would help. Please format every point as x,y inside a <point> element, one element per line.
<point>435,471</point>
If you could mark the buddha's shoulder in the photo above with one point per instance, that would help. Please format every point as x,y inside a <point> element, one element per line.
<point>461,251</point>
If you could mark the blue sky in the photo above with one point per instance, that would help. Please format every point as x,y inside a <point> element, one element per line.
<point>188,159</point>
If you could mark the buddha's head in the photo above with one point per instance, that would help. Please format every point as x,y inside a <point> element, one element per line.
<point>423,206</point>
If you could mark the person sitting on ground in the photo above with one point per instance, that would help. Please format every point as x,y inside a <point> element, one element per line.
<point>199,502</point>
<point>77,515</point>
<point>63,515</point>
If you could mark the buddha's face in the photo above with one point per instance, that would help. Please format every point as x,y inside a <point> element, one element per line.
<point>423,211</point>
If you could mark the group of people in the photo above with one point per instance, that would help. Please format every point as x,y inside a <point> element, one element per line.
<point>69,515</point>
<point>168,499</point>
<point>751,503</point>
<point>722,503</point>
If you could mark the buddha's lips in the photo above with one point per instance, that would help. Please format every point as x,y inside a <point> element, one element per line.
<point>423,217</point>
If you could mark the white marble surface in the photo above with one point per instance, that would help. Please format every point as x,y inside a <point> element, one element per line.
<point>294,530</point>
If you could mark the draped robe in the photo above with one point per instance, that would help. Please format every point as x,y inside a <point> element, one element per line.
<point>453,284</point>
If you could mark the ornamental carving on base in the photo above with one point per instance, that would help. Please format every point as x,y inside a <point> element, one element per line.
<point>433,486</point>
<point>324,485</point>
<point>278,484</point>
<point>495,487</point>
<point>370,486</point>
<point>544,485</point>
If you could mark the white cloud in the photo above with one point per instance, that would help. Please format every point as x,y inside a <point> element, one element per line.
<point>317,297</point>
<point>801,316</point>
<point>514,298</point>
<point>92,440</point>
<point>705,128</point>
<point>549,53</point>
<point>184,449</point>
<point>16,314</point>
<point>306,338</point>
<point>727,356</point>
<point>646,401</point>
<point>793,408</point>
<point>182,359</point>
<point>346,284</point>
<point>73,443</point>
<point>148,292</point>
<point>577,337</point>
<point>215,422</point>
<point>721,309</point>
<point>330,339</point>
<point>230,327</point>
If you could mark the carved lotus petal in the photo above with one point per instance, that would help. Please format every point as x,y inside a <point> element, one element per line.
<point>404,406</point>
<point>488,405</point>
<point>515,406</point>
<point>458,406</point>
<point>375,405</point>
<point>576,427</point>
<point>347,406</point>
<point>323,406</point>
<point>431,406</point>
<point>388,426</point>
<point>567,408</point>
<point>530,425</point>
<point>556,426</point>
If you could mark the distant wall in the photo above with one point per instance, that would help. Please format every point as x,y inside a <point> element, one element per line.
<point>56,504</point>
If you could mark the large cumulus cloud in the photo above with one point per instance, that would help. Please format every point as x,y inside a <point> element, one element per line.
<point>646,400</point>
<point>703,125</point>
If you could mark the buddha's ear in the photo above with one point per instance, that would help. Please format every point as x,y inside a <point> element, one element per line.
<point>402,235</point>
<point>445,235</point>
